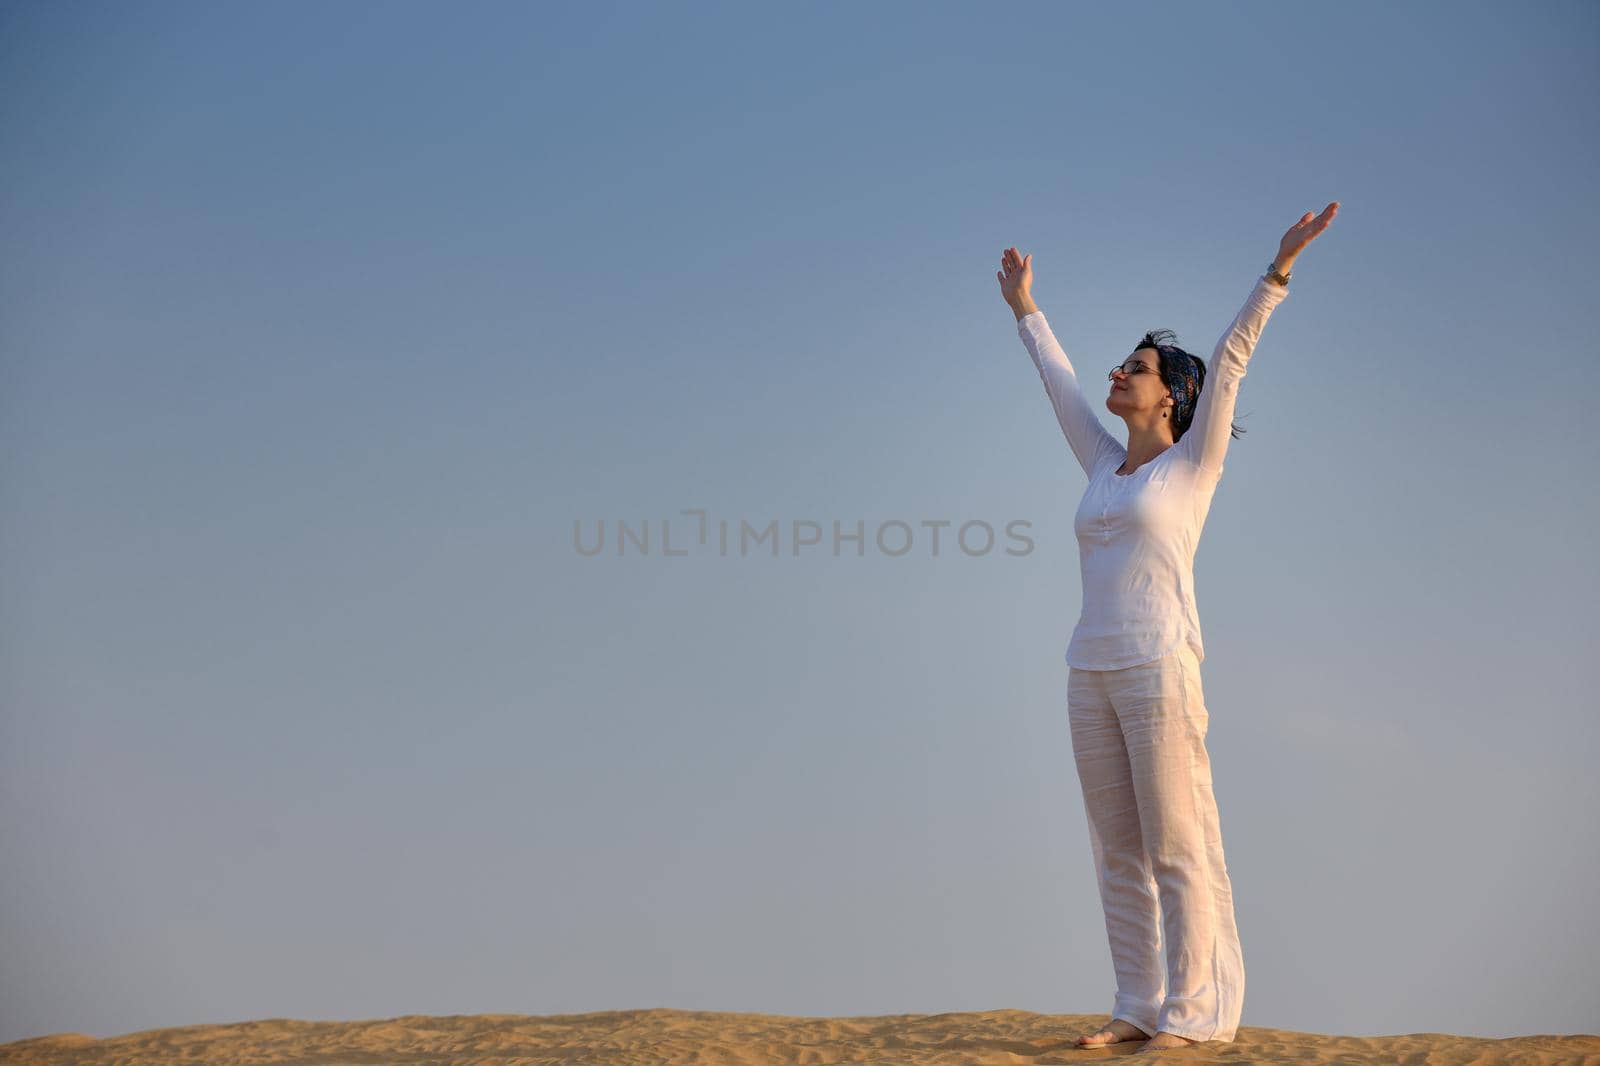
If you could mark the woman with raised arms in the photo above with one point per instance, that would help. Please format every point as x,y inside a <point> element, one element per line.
<point>1134,699</point>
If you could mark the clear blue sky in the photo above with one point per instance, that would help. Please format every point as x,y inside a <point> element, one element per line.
<point>321,326</point>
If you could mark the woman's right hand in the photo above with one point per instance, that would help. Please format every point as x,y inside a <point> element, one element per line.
<point>1016,282</point>
<point>1016,277</point>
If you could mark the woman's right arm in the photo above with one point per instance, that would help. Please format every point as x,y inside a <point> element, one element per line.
<point>1089,439</point>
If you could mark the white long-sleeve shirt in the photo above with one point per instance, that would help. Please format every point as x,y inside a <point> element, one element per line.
<point>1137,533</point>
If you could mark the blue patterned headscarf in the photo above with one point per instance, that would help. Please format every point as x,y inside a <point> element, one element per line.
<point>1184,375</point>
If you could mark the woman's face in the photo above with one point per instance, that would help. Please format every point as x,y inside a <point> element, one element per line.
<point>1137,387</point>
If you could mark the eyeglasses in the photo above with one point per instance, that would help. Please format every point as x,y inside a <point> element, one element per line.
<point>1130,368</point>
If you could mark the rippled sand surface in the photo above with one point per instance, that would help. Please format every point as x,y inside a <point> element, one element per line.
<point>701,1037</point>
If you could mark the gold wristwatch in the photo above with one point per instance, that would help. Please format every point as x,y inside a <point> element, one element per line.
<point>1272,272</point>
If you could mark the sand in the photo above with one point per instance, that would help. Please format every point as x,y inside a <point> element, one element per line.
<point>681,1036</point>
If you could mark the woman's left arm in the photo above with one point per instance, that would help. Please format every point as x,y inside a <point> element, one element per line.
<point>1206,441</point>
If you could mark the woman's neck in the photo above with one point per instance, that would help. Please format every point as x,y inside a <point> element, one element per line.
<point>1145,445</point>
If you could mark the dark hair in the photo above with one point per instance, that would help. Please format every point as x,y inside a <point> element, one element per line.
<point>1155,339</point>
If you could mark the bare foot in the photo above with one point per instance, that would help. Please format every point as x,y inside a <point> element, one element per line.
<point>1114,1033</point>
<point>1164,1041</point>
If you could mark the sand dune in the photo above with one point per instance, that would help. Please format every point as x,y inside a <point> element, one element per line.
<point>681,1036</point>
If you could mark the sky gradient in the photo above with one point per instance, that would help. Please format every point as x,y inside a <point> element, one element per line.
<point>321,326</point>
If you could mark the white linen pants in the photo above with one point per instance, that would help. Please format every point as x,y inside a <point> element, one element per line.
<point>1138,737</point>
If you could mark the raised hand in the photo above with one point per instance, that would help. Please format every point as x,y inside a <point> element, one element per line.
<point>1303,233</point>
<point>1015,276</point>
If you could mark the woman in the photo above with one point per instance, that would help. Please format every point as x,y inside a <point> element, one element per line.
<point>1134,698</point>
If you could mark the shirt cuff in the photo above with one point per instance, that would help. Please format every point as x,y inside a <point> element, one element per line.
<point>1267,293</point>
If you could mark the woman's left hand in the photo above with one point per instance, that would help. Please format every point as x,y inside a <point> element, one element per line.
<point>1303,233</point>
